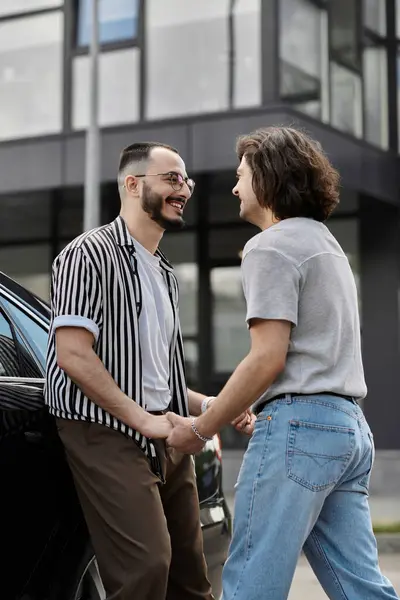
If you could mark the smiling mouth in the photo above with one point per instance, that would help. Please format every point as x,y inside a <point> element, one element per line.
<point>176,203</point>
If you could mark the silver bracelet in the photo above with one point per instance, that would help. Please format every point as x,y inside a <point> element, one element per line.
<point>205,403</point>
<point>203,438</point>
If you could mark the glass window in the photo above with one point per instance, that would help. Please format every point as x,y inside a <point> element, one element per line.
<point>346,100</point>
<point>29,265</point>
<point>35,335</point>
<point>9,363</point>
<point>228,243</point>
<point>119,84</point>
<point>31,76</point>
<point>375,15</point>
<point>231,341</point>
<point>344,36</point>
<point>301,52</point>
<point>70,213</point>
<point>224,207</point>
<point>118,20</point>
<point>13,7</point>
<point>191,361</point>
<point>376,96</point>
<point>25,216</point>
<point>180,250</point>
<point>398,18</point>
<point>398,95</point>
<point>247,53</point>
<point>346,231</point>
<point>180,79</point>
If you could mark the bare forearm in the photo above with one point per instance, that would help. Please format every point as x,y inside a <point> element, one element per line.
<point>250,380</point>
<point>195,401</point>
<point>89,373</point>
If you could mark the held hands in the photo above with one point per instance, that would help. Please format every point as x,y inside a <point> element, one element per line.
<point>179,433</point>
<point>244,423</point>
<point>157,426</point>
<point>182,436</point>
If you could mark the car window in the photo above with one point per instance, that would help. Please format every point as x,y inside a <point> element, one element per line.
<point>32,332</point>
<point>9,359</point>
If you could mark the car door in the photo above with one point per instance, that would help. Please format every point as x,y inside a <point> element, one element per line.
<point>26,477</point>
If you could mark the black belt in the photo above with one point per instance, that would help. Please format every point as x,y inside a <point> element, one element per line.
<point>261,406</point>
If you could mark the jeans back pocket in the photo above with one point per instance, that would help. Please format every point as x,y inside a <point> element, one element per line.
<point>317,455</point>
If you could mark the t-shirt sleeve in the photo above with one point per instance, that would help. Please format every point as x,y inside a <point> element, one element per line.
<point>271,286</point>
<point>76,298</point>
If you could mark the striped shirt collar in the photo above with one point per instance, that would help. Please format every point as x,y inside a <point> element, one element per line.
<point>124,238</point>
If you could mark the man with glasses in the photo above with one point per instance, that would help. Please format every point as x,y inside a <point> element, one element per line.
<point>115,366</point>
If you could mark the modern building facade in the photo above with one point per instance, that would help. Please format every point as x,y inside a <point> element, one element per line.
<point>196,74</point>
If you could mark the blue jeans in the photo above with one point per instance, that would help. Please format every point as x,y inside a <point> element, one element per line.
<point>304,485</point>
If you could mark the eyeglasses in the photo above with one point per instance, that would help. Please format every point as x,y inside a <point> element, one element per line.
<point>176,180</point>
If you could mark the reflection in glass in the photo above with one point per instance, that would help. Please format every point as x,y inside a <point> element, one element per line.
<point>180,250</point>
<point>398,18</point>
<point>182,80</point>
<point>231,340</point>
<point>346,98</point>
<point>376,96</point>
<point>35,335</point>
<point>346,231</point>
<point>302,54</point>
<point>9,366</point>
<point>247,53</point>
<point>31,75</point>
<point>118,20</point>
<point>344,39</point>
<point>375,15</point>
<point>119,85</point>
<point>187,275</point>
<point>191,360</point>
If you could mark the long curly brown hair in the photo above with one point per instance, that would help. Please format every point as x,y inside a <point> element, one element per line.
<point>291,174</point>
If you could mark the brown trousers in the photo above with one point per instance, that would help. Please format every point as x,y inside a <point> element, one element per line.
<point>146,536</point>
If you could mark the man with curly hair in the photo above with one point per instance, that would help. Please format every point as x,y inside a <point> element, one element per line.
<point>304,479</point>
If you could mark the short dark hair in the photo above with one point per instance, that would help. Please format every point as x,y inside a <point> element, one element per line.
<point>138,152</point>
<point>291,173</point>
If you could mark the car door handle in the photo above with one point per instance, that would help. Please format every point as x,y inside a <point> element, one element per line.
<point>33,437</point>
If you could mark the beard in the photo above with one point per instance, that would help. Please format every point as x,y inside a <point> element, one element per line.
<point>153,204</point>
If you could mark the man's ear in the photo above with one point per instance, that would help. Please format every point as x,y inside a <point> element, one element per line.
<point>131,184</point>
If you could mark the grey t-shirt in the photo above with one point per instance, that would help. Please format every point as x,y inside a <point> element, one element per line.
<point>296,271</point>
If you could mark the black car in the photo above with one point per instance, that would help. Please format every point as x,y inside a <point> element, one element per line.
<point>45,545</point>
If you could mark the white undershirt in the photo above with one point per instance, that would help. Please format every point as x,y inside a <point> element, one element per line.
<point>156,326</point>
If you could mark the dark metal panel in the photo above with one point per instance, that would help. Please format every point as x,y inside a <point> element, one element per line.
<point>112,142</point>
<point>206,142</point>
<point>31,166</point>
<point>380,277</point>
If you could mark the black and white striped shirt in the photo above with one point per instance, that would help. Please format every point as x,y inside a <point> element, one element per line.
<point>95,278</point>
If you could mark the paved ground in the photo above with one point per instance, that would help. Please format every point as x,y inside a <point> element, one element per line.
<point>305,585</point>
